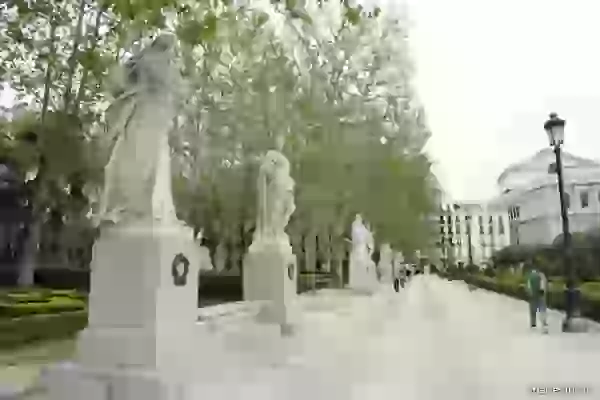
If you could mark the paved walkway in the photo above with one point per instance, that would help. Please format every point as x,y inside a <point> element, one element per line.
<point>433,340</point>
<point>456,344</point>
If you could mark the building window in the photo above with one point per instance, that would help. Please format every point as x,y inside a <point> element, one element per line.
<point>491,220</point>
<point>468,217</point>
<point>457,227</point>
<point>515,213</point>
<point>491,229</point>
<point>585,199</point>
<point>480,220</point>
<point>450,231</point>
<point>442,230</point>
<point>449,220</point>
<point>500,226</point>
<point>442,220</point>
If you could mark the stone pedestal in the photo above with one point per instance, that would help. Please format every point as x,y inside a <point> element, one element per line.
<point>362,274</point>
<point>386,273</point>
<point>142,318</point>
<point>270,275</point>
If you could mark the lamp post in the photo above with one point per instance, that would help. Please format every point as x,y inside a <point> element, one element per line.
<point>469,240</point>
<point>555,128</point>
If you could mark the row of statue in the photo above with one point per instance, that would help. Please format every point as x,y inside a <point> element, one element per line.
<point>147,91</point>
<point>363,272</point>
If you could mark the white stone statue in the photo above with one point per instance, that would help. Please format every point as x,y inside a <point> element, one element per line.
<point>204,254</point>
<point>385,266</point>
<point>275,198</point>
<point>270,266</point>
<point>362,269</point>
<point>370,241</point>
<point>138,174</point>
<point>221,256</point>
<point>399,266</point>
<point>361,238</point>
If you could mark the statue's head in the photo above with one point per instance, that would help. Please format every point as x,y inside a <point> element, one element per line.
<point>358,218</point>
<point>275,161</point>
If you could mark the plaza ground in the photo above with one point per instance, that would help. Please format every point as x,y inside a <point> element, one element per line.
<point>433,340</point>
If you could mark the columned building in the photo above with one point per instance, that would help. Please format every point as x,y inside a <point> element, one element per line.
<point>529,194</point>
<point>472,232</point>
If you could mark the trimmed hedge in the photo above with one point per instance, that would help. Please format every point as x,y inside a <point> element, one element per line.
<point>21,303</point>
<point>214,288</point>
<point>306,279</point>
<point>16,332</point>
<point>590,298</point>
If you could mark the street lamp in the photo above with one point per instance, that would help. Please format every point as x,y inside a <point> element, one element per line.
<point>555,128</point>
<point>469,240</point>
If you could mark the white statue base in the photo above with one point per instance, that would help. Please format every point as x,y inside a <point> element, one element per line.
<point>386,273</point>
<point>362,274</point>
<point>270,275</point>
<point>142,318</point>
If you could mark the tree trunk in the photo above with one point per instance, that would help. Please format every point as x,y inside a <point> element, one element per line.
<point>72,63</point>
<point>86,72</point>
<point>48,77</point>
<point>28,261</point>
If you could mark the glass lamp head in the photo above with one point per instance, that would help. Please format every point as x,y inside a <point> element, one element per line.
<point>555,129</point>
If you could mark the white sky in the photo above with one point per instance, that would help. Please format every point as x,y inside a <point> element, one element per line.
<point>490,71</point>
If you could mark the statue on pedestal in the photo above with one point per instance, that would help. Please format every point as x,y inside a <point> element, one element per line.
<point>270,266</point>
<point>138,174</point>
<point>362,274</point>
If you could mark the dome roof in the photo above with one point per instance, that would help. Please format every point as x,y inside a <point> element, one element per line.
<point>536,170</point>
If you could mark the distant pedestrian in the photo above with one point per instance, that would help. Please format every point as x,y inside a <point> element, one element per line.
<point>537,289</point>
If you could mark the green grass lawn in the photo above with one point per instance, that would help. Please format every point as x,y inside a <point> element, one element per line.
<point>22,366</point>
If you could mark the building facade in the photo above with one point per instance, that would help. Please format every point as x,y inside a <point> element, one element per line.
<point>529,194</point>
<point>472,232</point>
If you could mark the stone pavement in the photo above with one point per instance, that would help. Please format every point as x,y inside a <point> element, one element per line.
<point>433,340</point>
<point>456,344</point>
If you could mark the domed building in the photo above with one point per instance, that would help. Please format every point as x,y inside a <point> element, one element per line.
<point>529,191</point>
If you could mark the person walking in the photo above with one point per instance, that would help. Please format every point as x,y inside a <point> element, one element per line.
<point>537,290</point>
<point>402,275</point>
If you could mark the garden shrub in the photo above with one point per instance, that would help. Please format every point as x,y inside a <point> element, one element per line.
<point>515,287</point>
<point>306,278</point>
<point>16,303</point>
<point>15,332</point>
<point>54,305</point>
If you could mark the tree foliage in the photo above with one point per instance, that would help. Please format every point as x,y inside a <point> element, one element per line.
<point>334,80</point>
